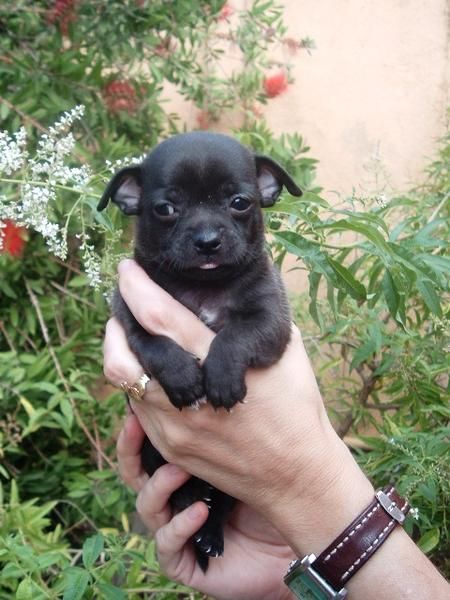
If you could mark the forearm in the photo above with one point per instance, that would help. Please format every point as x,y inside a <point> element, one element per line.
<point>398,570</point>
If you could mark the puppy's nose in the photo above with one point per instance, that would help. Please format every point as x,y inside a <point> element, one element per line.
<point>207,241</point>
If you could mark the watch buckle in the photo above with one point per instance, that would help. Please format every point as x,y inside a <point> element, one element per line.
<point>390,507</point>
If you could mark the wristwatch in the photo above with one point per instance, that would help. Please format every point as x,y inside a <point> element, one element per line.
<point>323,577</point>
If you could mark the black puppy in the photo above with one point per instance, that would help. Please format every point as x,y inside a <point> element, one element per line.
<point>200,236</point>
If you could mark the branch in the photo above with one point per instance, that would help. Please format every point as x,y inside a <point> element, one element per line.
<point>65,291</point>
<point>22,115</point>
<point>363,396</point>
<point>7,337</point>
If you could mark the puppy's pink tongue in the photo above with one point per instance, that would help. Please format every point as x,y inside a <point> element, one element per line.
<point>209,266</point>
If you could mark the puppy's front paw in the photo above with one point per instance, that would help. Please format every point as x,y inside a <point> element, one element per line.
<point>224,383</point>
<point>183,384</point>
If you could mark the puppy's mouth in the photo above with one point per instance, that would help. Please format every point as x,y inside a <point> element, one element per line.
<point>209,268</point>
<point>210,265</point>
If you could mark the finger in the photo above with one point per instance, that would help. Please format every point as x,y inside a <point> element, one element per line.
<point>129,444</point>
<point>152,503</point>
<point>171,540</point>
<point>161,314</point>
<point>119,362</point>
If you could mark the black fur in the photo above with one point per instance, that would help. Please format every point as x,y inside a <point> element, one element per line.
<point>200,236</point>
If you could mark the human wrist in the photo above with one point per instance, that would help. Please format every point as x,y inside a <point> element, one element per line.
<point>321,500</point>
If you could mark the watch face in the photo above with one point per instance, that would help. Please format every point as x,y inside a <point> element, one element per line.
<point>306,589</point>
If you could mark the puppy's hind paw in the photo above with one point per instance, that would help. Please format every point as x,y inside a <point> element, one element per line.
<point>209,543</point>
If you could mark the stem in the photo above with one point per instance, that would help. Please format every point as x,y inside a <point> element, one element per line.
<point>7,337</point>
<point>58,186</point>
<point>59,370</point>
<point>438,207</point>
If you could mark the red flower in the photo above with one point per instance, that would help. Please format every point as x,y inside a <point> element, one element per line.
<point>62,13</point>
<point>203,119</point>
<point>292,45</point>
<point>225,12</point>
<point>276,84</point>
<point>13,238</point>
<point>120,96</point>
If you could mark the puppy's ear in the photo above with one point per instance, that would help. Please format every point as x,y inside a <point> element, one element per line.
<point>125,190</point>
<point>271,178</point>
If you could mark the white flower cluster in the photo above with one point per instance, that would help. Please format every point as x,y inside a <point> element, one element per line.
<point>52,150</point>
<point>41,176</point>
<point>91,262</point>
<point>123,162</point>
<point>13,151</point>
<point>382,200</point>
<point>32,212</point>
<point>414,513</point>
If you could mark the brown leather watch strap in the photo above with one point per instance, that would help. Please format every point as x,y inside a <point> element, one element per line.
<point>350,551</point>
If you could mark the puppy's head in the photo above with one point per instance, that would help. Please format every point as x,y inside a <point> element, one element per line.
<point>198,197</point>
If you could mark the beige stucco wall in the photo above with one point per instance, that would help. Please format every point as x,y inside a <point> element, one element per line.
<point>376,84</point>
<point>379,79</point>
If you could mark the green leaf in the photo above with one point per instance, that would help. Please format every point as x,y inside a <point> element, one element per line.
<point>79,281</point>
<point>363,353</point>
<point>429,296</point>
<point>12,571</point>
<point>76,582</point>
<point>314,280</point>
<point>413,263</point>
<point>24,590</point>
<point>348,282</point>
<point>369,232</point>
<point>92,549</point>
<point>439,264</point>
<point>391,294</point>
<point>428,490</point>
<point>67,410</point>
<point>429,540</point>
<point>111,591</point>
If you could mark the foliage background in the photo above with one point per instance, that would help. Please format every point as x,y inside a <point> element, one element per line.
<point>376,318</point>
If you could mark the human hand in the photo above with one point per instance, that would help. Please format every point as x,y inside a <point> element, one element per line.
<point>255,557</point>
<point>277,453</point>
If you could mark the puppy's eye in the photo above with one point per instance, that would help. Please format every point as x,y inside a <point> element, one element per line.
<point>165,210</point>
<point>240,204</point>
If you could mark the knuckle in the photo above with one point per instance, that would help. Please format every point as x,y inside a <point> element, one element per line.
<point>112,369</point>
<point>161,540</point>
<point>141,504</point>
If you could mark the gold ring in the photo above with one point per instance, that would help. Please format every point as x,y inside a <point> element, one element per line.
<point>137,390</point>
